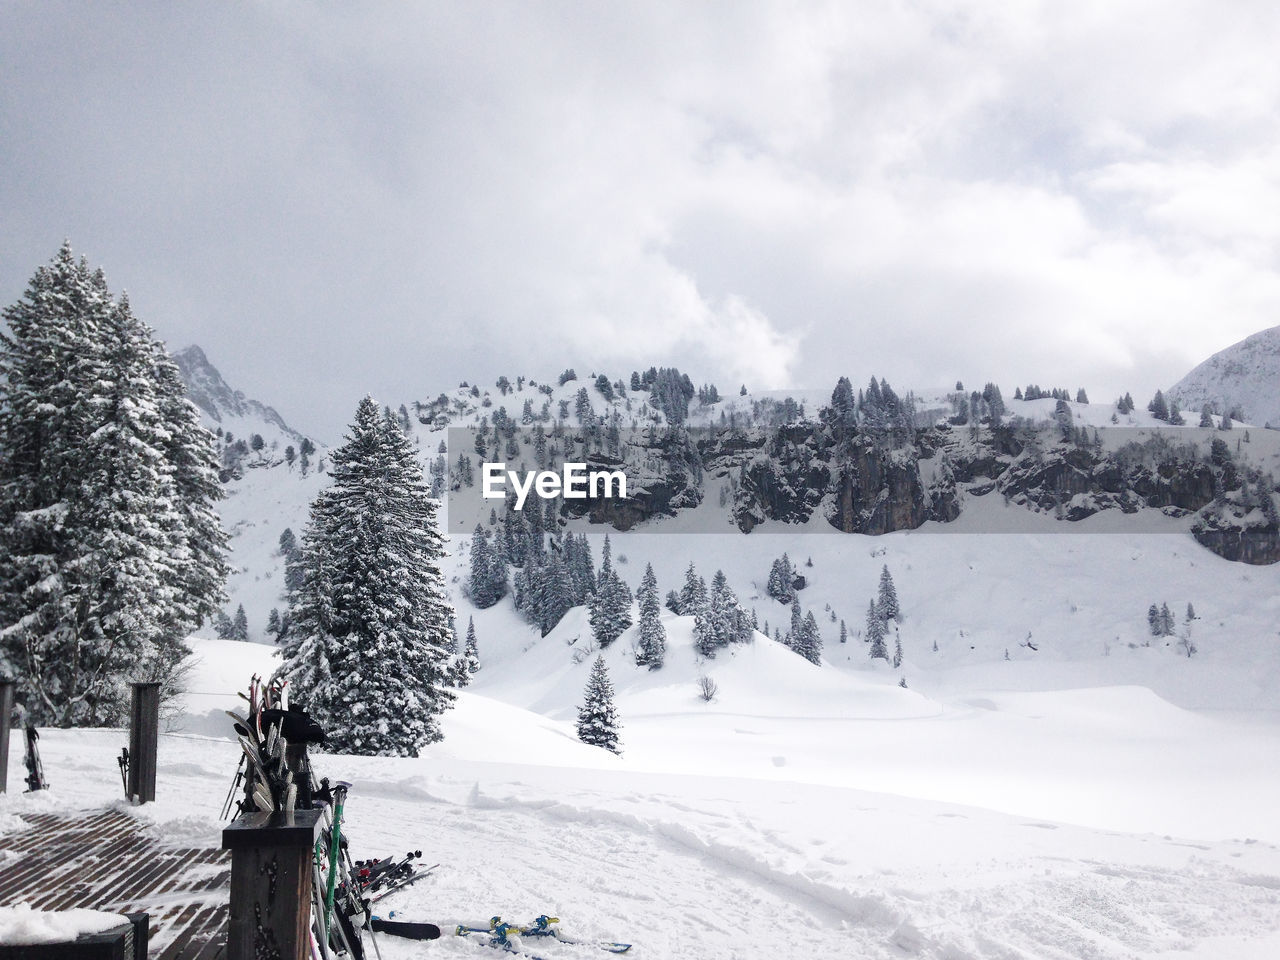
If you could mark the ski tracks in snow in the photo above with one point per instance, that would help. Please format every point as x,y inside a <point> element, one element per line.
<point>723,878</point>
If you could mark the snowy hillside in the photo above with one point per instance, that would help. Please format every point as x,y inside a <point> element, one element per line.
<point>1244,375</point>
<point>267,488</point>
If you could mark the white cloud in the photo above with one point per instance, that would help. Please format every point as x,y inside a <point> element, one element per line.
<point>395,198</point>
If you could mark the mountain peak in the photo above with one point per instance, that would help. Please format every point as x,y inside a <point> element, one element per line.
<point>1244,375</point>
<point>221,405</point>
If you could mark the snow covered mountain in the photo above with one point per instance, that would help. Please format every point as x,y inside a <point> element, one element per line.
<point>1246,375</point>
<point>227,409</point>
<point>270,472</point>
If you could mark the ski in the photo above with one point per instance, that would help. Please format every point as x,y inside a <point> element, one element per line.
<point>408,929</point>
<point>35,769</point>
<point>500,934</point>
<point>402,882</point>
<point>541,927</point>
<point>373,874</point>
<point>498,937</point>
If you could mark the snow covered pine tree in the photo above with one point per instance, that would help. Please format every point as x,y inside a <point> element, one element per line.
<point>887,601</point>
<point>110,550</point>
<point>369,644</point>
<point>610,608</point>
<point>597,717</point>
<point>652,648</point>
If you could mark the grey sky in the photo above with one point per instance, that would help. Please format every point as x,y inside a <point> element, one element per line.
<point>341,198</point>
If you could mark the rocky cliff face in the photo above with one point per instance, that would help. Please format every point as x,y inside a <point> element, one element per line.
<point>793,473</point>
<point>1236,535</point>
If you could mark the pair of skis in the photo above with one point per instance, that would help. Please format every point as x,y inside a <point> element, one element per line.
<point>401,873</point>
<point>504,936</point>
<point>508,936</point>
<point>35,769</point>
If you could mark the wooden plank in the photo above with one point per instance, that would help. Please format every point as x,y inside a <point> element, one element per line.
<point>190,937</point>
<point>136,884</point>
<point>213,927</point>
<point>106,859</point>
<point>37,866</point>
<point>96,881</point>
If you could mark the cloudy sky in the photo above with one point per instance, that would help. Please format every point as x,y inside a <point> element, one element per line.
<point>341,198</point>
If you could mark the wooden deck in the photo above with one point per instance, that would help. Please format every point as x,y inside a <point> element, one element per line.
<point>105,861</point>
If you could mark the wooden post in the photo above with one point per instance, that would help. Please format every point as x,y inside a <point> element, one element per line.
<point>271,857</point>
<point>144,739</point>
<point>6,711</point>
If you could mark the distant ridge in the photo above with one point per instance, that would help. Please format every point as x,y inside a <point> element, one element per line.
<point>224,406</point>
<point>1244,375</point>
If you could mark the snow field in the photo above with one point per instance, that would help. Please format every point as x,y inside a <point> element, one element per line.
<point>707,866</point>
<point>1100,795</point>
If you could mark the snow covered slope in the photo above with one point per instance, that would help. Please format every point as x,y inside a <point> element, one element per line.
<point>1245,374</point>
<point>744,852</point>
<point>265,490</point>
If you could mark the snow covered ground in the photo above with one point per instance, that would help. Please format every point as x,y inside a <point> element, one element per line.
<point>803,813</point>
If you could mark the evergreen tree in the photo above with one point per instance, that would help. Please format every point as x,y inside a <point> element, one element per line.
<point>274,625</point>
<point>110,551</point>
<point>693,595</point>
<point>1166,621</point>
<point>652,648</point>
<point>610,612</point>
<point>193,454</point>
<point>781,580</point>
<point>1153,620</point>
<point>471,652</point>
<point>371,643</point>
<point>844,633</point>
<point>810,646</point>
<point>897,649</point>
<point>672,602</point>
<point>1159,407</point>
<point>721,621</point>
<point>725,612</point>
<point>875,633</point>
<point>887,600</point>
<point>223,627</point>
<point>548,590</point>
<point>704,631</point>
<point>844,412</point>
<point>240,625</point>
<point>1206,417</point>
<point>597,717</point>
<point>488,581</point>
